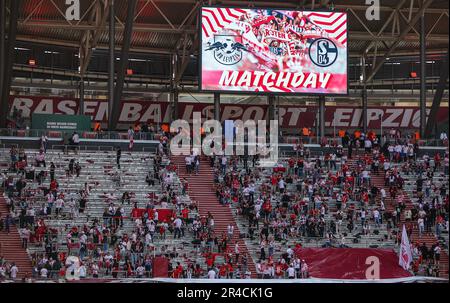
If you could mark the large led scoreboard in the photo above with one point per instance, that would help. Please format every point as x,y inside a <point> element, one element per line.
<point>273,51</point>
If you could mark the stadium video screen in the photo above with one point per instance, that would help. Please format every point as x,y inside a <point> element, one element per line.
<point>273,51</point>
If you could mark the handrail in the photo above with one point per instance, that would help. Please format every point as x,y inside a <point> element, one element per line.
<point>60,134</point>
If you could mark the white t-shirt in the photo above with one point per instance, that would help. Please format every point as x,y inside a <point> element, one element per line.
<point>44,272</point>
<point>376,214</point>
<point>76,138</point>
<point>211,274</point>
<point>59,203</point>
<point>82,271</point>
<point>14,271</point>
<point>140,271</point>
<point>177,222</point>
<point>290,252</point>
<point>291,272</point>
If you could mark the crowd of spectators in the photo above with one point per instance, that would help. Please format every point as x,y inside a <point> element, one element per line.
<point>328,197</point>
<point>333,196</point>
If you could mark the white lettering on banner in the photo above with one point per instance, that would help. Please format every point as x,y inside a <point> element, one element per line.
<point>281,113</point>
<point>253,113</point>
<point>323,79</point>
<point>342,114</point>
<point>406,117</point>
<point>130,112</point>
<point>228,78</point>
<point>23,104</point>
<point>44,107</point>
<point>90,107</point>
<point>389,121</point>
<point>246,79</point>
<point>298,79</point>
<point>283,80</point>
<point>68,107</point>
<point>357,115</point>
<point>265,81</point>
<point>290,116</point>
<point>168,114</point>
<point>102,112</point>
<point>153,113</point>
<point>311,80</point>
<point>373,114</point>
<point>416,119</point>
<point>231,112</point>
<point>258,76</point>
<point>270,79</point>
<point>295,114</point>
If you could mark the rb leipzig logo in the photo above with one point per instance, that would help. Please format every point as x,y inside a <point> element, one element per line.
<point>227,49</point>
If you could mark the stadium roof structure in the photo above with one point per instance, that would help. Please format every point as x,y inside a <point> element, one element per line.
<point>165,33</point>
<point>169,26</point>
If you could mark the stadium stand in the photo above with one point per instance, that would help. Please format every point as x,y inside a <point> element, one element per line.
<point>241,219</point>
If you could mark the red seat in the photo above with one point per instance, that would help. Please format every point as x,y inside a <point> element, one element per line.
<point>89,135</point>
<point>54,134</point>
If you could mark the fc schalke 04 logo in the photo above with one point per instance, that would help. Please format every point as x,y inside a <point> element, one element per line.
<point>323,52</point>
<point>227,49</point>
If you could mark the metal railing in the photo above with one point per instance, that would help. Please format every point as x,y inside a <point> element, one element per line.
<point>60,134</point>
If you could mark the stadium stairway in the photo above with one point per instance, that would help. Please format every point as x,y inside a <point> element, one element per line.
<point>11,246</point>
<point>428,238</point>
<point>201,189</point>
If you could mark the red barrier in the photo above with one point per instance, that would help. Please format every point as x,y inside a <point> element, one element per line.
<point>164,215</point>
<point>160,267</point>
<point>350,263</point>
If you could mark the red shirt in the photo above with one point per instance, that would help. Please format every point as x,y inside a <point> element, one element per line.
<point>53,185</point>
<point>291,162</point>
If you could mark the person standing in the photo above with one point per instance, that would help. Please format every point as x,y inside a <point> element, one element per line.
<point>177,224</point>
<point>25,235</point>
<point>14,271</point>
<point>130,146</point>
<point>7,223</point>
<point>197,164</point>
<point>118,156</point>
<point>236,252</point>
<point>44,141</point>
<point>421,224</point>
<point>75,141</point>
<point>304,270</point>
<point>291,272</point>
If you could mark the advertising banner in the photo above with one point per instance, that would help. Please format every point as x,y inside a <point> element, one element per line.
<point>60,122</point>
<point>273,51</point>
<point>290,116</point>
